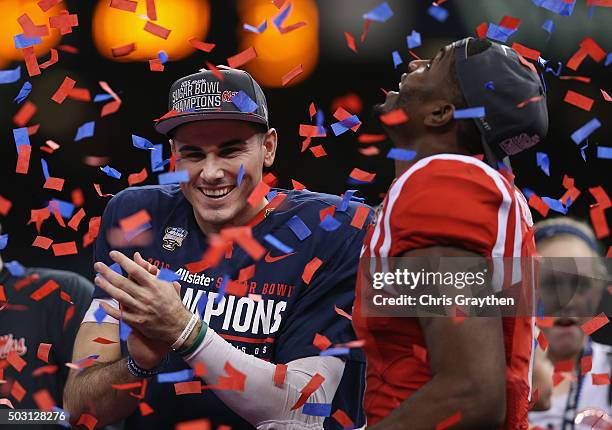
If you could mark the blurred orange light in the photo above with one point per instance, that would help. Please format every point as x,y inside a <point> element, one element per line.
<point>9,27</point>
<point>114,28</point>
<point>279,54</point>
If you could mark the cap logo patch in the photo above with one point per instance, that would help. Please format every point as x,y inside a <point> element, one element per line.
<point>516,144</point>
<point>197,94</point>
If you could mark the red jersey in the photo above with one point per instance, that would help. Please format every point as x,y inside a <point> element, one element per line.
<point>456,201</point>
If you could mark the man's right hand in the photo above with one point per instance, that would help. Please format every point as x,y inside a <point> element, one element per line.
<point>147,353</point>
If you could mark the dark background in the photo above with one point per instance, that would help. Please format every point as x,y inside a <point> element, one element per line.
<point>339,72</point>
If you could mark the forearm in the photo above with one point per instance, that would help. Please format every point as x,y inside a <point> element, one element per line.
<point>91,391</point>
<point>262,403</point>
<point>441,398</point>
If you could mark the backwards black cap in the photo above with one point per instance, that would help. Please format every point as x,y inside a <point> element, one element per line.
<point>506,128</point>
<point>203,96</point>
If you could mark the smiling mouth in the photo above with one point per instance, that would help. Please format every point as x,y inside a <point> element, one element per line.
<point>217,193</point>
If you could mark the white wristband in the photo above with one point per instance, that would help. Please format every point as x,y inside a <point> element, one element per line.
<point>186,332</point>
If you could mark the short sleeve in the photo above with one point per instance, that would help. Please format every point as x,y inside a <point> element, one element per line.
<point>447,203</point>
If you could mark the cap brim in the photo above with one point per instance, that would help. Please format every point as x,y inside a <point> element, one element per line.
<point>168,124</point>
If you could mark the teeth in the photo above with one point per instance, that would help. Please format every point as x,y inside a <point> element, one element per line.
<point>220,192</point>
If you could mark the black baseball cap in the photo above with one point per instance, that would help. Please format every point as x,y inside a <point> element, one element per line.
<point>516,116</point>
<point>203,96</point>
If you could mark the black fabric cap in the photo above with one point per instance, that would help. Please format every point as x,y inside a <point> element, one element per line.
<point>203,96</point>
<point>506,129</point>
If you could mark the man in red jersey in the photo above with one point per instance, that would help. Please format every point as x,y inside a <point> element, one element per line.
<point>445,202</point>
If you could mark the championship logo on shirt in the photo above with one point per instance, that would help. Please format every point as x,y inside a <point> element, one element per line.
<point>173,237</point>
<point>9,344</point>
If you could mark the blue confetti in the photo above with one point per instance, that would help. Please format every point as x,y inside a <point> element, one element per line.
<point>413,39</point>
<point>401,154</point>
<point>346,198</point>
<point>3,241</point>
<point>582,151</point>
<point>221,292</point>
<point>141,142</point>
<point>113,173</point>
<point>397,59</point>
<point>490,86</point>
<point>157,158</point>
<point>438,13</point>
<point>22,41</point>
<point>244,102</point>
<point>21,137</point>
<point>543,162</point>
<point>476,112</point>
<point>45,168</point>
<point>604,152</point>
<point>330,223</point>
<point>319,121</point>
<point>549,26</point>
<point>380,13</point>
<point>86,130</point>
<point>124,330</point>
<point>297,226</point>
<point>271,195</point>
<point>258,30</point>
<point>115,267</point>
<point>499,33</point>
<point>66,209</point>
<point>162,56</point>
<point>240,175</point>
<point>201,304</point>
<point>280,18</point>
<point>25,90</point>
<point>173,177</point>
<point>9,76</point>
<point>99,314</point>
<point>168,275</point>
<point>555,205</point>
<point>560,7</point>
<point>278,244</point>
<point>527,192</point>
<point>346,124</point>
<point>15,268</point>
<point>179,376</point>
<point>317,409</point>
<point>585,131</point>
<point>102,97</point>
<point>608,59</point>
<point>553,71</point>
<point>335,352</point>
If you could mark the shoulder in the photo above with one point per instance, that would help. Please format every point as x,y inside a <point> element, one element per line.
<point>70,282</point>
<point>149,196</point>
<point>311,203</point>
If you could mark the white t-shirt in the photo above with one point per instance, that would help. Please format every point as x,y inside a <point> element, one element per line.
<point>591,396</point>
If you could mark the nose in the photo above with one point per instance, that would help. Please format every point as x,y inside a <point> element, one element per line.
<point>415,64</point>
<point>211,169</point>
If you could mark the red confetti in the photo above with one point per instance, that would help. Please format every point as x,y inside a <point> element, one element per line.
<point>578,100</point>
<point>30,29</point>
<point>62,92</point>
<point>104,341</point>
<point>156,65</point>
<point>584,79</point>
<point>80,94</point>
<point>359,219</point>
<point>16,361</point>
<point>279,374</point>
<point>350,42</point>
<point>88,421</point>
<point>126,5</point>
<point>64,22</point>
<point>128,386</point>
<point>17,391</point>
<point>134,221</point>
<point>45,5</point>
<point>526,52</point>
<point>157,30</point>
<point>68,48</point>
<point>542,342</point>
<point>341,312</point>
<point>602,198</point>
<point>329,210</point>
<point>311,131</point>
<point>312,386</point>
<point>343,419</point>
<point>23,159</point>
<point>76,219</point>
<point>144,407</point>
<point>586,364</point>
<point>43,352</point>
<point>321,342</point>
<point>215,71</point>
<point>110,107</point>
<point>242,57</point>
<point>54,183</point>
<point>45,370</point>
<point>291,74</point>
<point>235,380</point>
<point>366,27</point>
<point>605,95</point>
<point>31,61</point>
<point>202,46</point>
<point>600,224</point>
<point>137,178</point>
<point>51,61</point>
<point>200,424</point>
<point>510,22</point>
<point>258,194</point>
<point>564,366</point>
<point>46,289</point>
<point>481,30</point>
<point>593,49</point>
<point>312,110</point>
<point>529,100</point>
<point>123,50</point>
<point>594,324</point>
<point>446,423</point>
<point>64,248</point>
<point>600,378</point>
<point>151,10</point>
<point>394,117</point>
<point>25,113</point>
<point>193,387</point>
<point>318,151</point>
<point>369,151</point>
<point>371,138</point>
<point>419,352</point>
<point>309,270</point>
<point>538,204</point>
<point>5,206</point>
<point>362,175</point>
<point>99,191</point>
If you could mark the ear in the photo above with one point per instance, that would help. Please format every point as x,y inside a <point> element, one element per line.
<point>439,113</point>
<point>269,146</point>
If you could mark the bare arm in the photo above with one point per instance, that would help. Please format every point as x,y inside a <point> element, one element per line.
<point>468,365</point>
<point>90,390</point>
